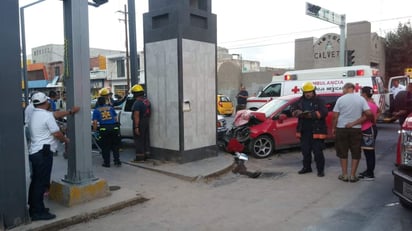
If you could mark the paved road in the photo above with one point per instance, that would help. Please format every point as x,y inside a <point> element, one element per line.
<point>281,200</point>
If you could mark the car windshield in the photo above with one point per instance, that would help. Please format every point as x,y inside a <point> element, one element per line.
<point>224,98</point>
<point>272,106</point>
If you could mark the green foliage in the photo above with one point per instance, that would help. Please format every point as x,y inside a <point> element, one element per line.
<point>398,50</point>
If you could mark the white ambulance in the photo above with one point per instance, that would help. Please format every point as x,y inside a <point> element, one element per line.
<point>325,80</point>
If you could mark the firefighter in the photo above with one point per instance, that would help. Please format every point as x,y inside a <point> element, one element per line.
<point>311,112</point>
<point>105,92</point>
<point>141,116</point>
<point>105,122</point>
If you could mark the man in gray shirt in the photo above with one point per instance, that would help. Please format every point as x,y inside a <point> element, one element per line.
<point>346,126</point>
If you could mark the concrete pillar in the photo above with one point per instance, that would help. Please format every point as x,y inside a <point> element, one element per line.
<point>79,185</point>
<point>180,67</point>
<point>13,201</point>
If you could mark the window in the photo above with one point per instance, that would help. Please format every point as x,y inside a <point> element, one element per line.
<point>330,101</point>
<point>271,91</point>
<point>56,71</point>
<point>120,68</point>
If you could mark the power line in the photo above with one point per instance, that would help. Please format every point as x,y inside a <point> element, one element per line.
<point>253,44</point>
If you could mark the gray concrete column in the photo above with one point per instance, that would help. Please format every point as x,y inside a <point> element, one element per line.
<point>180,69</point>
<point>13,201</point>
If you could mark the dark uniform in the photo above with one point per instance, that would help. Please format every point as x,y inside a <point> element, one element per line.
<point>142,140</point>
<point>109,131</point>
<point>312,131</point>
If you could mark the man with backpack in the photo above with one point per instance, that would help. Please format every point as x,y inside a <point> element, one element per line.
<point>141,110</point>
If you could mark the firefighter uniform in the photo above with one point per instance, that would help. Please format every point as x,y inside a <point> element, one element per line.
<point>311,129</point>
<point>109,131</point>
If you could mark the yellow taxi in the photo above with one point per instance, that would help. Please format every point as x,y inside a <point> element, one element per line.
<point>224,105</point>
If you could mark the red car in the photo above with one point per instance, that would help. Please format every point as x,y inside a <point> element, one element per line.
<point>272,126</point>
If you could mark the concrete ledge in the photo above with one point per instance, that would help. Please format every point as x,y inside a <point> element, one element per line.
<point>69,194</point>
<point>77,219</point>
<point>188,175</point>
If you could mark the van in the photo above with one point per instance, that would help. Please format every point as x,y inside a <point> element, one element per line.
<point>326,80</point>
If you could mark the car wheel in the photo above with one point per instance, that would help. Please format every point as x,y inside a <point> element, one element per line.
<point>262,147</point>
<point>405,204</point>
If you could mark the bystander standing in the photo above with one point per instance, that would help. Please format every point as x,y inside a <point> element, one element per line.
<point>241,98</point>
<point>44,137</point>
<point>348,109</point>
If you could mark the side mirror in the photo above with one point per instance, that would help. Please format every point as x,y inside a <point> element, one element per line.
<point>280,118</point>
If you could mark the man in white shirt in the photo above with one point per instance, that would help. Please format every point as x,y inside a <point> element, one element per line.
<point>45,133</point>
<point>396,87</point>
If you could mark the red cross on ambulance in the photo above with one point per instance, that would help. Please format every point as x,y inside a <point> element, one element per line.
<point>295,90</point>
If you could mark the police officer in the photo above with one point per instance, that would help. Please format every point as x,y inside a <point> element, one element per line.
<point>105,122</point>
<point>311,112</point>
<point>140,115</point>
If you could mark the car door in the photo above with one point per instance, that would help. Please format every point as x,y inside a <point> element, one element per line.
<point>125,118</point>
<point>285,129</point>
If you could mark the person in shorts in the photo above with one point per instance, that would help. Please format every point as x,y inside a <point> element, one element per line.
<point>347,117</point>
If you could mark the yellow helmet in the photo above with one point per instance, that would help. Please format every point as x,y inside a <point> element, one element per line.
<point>104,92</point>
<point>308,86</point>
<point>137,88</point>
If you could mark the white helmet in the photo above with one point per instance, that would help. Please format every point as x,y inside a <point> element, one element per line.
<point>39,98</point>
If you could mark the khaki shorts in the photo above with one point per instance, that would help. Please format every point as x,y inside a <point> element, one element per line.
<point>348,139</point>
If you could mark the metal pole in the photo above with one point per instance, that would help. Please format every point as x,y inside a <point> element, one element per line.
<point>342,41</point>
<point>23,50</point>
<point>134,66</point>
<point>127,50</point>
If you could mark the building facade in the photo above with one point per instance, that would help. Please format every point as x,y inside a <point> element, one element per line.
<point>368,47</point>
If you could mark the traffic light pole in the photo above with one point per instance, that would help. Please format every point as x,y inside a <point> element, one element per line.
<point>337,19</point>
<point>342,42</point>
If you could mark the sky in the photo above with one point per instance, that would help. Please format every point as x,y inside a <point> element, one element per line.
<point>259,30</point>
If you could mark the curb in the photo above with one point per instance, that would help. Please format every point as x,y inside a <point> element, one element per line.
<point>183,177</point>
<point>66,222</point>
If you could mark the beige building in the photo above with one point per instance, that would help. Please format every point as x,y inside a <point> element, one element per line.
<point>369,48</point>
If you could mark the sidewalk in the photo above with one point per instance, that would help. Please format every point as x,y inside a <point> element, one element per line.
<point>122,197</point>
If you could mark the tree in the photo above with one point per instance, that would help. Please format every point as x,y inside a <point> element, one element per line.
<point>398,49</point>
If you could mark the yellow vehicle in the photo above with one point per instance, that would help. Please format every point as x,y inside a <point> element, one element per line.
<point>224,105</point>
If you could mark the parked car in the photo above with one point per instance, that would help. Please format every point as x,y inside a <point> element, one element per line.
<point>224,105</point>
<point>272,126</point>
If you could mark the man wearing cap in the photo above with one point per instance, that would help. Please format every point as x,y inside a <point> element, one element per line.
<point>311,112</point>
<point>44,135</point>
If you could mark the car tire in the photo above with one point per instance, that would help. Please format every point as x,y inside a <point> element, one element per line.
<point>262,147</point>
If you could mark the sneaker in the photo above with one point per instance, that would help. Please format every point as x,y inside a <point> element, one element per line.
<point>343,178</point>
<point>117,163</point>
<point>353,179</point>
<point>42,216</point>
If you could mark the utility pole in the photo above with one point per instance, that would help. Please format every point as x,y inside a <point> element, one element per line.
<point>127,46</point>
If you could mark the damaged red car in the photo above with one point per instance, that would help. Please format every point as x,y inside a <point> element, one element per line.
<point>272,126</point>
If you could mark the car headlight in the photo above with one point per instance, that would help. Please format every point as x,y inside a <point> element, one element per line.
<point>406,148</point>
